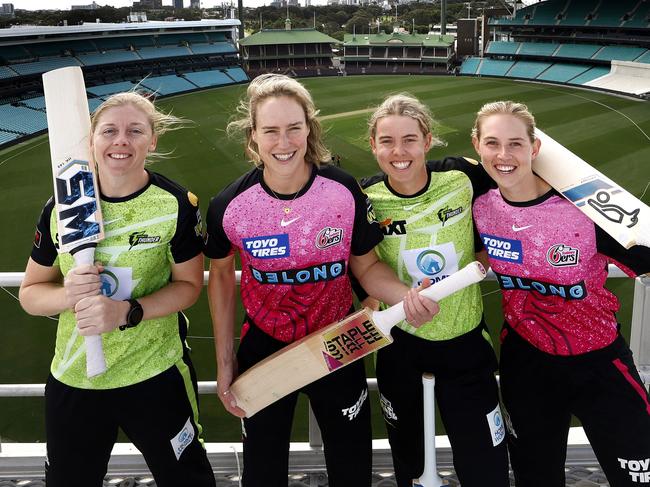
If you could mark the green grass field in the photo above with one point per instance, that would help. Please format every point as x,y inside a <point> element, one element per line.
<point>608,131</point>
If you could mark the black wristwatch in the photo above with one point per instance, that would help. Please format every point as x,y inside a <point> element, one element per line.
<point>134,316</point>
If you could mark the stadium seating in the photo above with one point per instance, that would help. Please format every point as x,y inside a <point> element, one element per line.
<point>494,67</point>
<point>641,17</point>
<point>216,36</point>
<point>537,49</point>
<point>160,52</point>
<point>216,48</point>
<point>620,53</point>
<point>590,75</point>
<point>113,43</point>
<point>167,85</point>
<point>237,74</point>
<point>609,14</point>
<point>36,103</point>
<point>107,57</point>
<point>576,12</point>
<point>562,72</point>
<point>205,79</point>
<point>45,64</point>
<point>528,69</point>
<point>545,13</point>
<point>111,88</point>
<point>14,53</point>
<point>141,41</point>
<point>502,47</point>
<point>7,72</point>
<point>7,137</point>
<point>644,58</point>
<point>470,65</point>
<point>93,103</point>
<point>21,119</point>
<point>577,51</point>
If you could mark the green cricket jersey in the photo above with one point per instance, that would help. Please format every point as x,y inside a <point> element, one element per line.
<point>145,233</point>
<point>431,234</point>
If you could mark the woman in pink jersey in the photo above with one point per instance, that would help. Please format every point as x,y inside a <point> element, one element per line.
<point>298,225</point>
<point>562,353</point>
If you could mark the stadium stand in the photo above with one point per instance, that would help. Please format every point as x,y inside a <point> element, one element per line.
<point>14,53</point>
<point>7,137</point>
<point>35,103</point>
<point>163,52</point>
<point>528,69</point>
<point>470,66</point>
<point>611,13</point>
<point>562,72</point>
<point>206,79</point>
<point>237,74</point>
<point>576,12</point>
<point>644,58</point>
<point>537,49</point>
<point>590,75</point>
<point>620,53</point>
<point>167,85</point>
<point>544,13</point>
<point>111,88</point>
<point>107,57</point>
<point>494,67</point>
<point>217,48</point>
<point>502,47</point>
<point>45,64</point>
<point>21,120</point>
<point>577,51</point>
<point>7,72</point>
<point>641,17</point>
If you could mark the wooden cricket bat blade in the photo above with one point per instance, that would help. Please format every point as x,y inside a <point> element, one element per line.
<point>332,347</point>
<point>606,203</point>
<point>76,192</point>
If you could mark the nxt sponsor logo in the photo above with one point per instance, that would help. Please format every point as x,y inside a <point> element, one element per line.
<point>137,238</point>
<point>317,273</point>
<point>446,213</point>
<point>503,248</point>
<point>390,227</point>
<point>561,255</point>
<point>350,342</point>
<point>569,291</point>
<point>329,237</point>
<point>269,247</point>
<point>638,470</point>
<point>353,412</point>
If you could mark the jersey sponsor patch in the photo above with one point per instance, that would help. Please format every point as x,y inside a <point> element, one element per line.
<point>393,227</point>
<point>637,469</point>
<point>116,282</point>
<point>446,213</point>
<point>560,255</point>
<point>436,262</point>
<point>38,236</point>
<point>138,238</point>
<point>311,274</point>
<point>370,212</point>
<point>501,248</point>
<point>329,237</point>
<point>353,411</point>
<point>183,439</point>
<point>566,291</point>
<point>497,426</point>
<point>267,247</point>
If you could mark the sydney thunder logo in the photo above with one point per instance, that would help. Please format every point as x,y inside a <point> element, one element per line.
<point>446,213</point>
<point>137,238</point>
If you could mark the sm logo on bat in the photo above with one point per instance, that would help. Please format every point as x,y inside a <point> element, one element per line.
<point>76,199</point>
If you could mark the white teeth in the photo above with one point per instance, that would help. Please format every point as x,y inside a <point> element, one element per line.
<point>284,157</point>
<point>401,164</point>
<point>120,156</point>
<point>504,168</point>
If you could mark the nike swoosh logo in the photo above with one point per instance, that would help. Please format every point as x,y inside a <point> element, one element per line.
<point>410,207</point>
<point>519,229</point>
<point>286,223</point>
<point>111,221</point>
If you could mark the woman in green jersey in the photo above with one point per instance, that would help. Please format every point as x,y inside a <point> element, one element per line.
<point>425,210</point>
<point>149,267</point>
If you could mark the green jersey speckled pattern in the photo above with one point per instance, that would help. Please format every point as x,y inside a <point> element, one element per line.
<point>145,233</point>
<point>431,234</point>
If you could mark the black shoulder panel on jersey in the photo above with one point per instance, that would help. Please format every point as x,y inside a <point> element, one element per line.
<point>374,179</point>
<point>44,250</point>
<point>187,241</point>
<point>480,180</point>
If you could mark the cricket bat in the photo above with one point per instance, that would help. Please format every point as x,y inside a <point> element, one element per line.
<point>607,204</point>
<point>332,347</point>
<point>76,193</point>
<point>429,477</point>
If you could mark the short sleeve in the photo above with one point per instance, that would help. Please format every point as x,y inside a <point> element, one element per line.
<point>216,245</point>
<point>633,261</point>
<point>44,251</point>
<point>187,242</point>
<point>367,233</point>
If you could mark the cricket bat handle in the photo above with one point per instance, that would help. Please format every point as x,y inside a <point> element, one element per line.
<point>95,360</point>
<point>429,477</point>
<point>470,274</point>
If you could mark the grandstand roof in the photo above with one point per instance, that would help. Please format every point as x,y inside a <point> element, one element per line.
<point>398,38</point>
<point>88,28</point>
<point>294,36</point>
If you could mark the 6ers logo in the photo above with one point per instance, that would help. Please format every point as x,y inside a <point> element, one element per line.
<point>560,255</point>
<point>328,237</point>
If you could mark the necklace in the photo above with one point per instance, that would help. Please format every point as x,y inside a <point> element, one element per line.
<point>287,206</point>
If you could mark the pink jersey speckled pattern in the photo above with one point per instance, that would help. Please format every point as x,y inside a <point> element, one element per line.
<point>294,264</point>
<point>545,255</point>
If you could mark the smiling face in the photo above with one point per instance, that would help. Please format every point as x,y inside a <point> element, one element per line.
<point>280,134</point>
<point>400,148</point>
<point>120,142</point>
<point>506,153</point>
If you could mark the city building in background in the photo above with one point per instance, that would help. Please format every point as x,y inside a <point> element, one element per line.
<point>7,10</point>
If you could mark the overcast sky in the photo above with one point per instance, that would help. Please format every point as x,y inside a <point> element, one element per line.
<point>65,4</point>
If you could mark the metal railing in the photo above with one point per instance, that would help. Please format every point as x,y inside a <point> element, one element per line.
<point>26,460</point>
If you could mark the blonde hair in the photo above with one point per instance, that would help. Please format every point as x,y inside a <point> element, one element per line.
<point>159,121</point>
<point>273,86</point>
<point>405,105</point>
<point>517,110</point>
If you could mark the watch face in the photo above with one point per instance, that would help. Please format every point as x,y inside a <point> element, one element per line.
<point>135,314</point>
